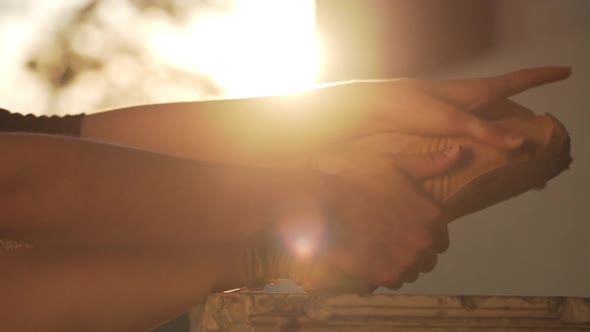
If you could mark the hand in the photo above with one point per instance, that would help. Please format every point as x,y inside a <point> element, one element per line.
<point>382,229</point>
<point>386,230</point>
<point>421,107</point>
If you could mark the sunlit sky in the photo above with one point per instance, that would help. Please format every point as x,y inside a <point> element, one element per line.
<point>258,47</point>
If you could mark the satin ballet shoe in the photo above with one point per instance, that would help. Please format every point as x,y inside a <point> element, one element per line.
<point>484,177</point>
<point>487,175</point>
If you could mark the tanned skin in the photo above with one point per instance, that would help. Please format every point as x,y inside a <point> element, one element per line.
<point>127,236</point>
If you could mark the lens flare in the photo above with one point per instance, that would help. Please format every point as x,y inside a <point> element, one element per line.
<point>303,247</point>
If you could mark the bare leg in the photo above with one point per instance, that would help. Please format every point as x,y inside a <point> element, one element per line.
<point>52,290</point>
<point>122,239</point>
<point>55,188</point>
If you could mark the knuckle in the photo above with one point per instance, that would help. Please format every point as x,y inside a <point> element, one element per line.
<point>423,242</point>
<point>427,261</point>
<point>394,280</point>
<point>429,268</point>
<point>385,274</point>
<point>385,279</point>
<point>443,242</point>
<point>429,265</point>
<point>408,262</point>
<point>395,285</point>
<point>443,247</point>
<point>412,276</point>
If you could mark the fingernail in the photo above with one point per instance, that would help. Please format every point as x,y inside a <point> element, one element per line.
<point>567,71</point>
<point>452,151</point>
<point>513,140</point>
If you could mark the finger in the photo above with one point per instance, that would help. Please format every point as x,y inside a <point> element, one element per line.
<point>504,109</point>
<point>411,276</point>
<point>489,133</point>
<point>421,166</point>
<point>428,263</point>
<point>472,93</point>
<point>375,225</point>
<point>376,264</point>
<point>353,259</point>
<point>443,241</point>
<point>324,277</point>
<point>445,119</point>
<point>394,285</point>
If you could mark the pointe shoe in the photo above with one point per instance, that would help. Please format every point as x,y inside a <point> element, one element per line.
<point>485,176</point>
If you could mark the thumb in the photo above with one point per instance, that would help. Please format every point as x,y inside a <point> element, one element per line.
<point>420,166</point>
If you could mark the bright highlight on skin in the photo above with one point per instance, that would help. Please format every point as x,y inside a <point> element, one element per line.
<point>262,47</point>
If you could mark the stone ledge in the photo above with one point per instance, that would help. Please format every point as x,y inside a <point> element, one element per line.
<point>252,311</point>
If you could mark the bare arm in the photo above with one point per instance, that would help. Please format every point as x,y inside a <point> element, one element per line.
<point>258,130</point>
<point>242,131</point>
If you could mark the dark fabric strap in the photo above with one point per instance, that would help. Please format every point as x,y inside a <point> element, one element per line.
<point>68,125</point>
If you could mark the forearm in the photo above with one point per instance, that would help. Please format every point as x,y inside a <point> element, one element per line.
<point>239,130</point>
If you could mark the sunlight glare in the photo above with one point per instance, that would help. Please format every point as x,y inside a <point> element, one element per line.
<point>262,47</point>
<point>303,248</point>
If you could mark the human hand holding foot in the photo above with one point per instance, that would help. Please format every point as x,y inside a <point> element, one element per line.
<point>374,222</point>
<point>390,230</point>
<point>265,130</point>
<point>343,112</point>
<point>483,176</point>
<point>429,108</point>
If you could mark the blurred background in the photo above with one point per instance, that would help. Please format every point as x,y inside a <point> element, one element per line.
<point>73,56</point>
<point>81,55</point>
